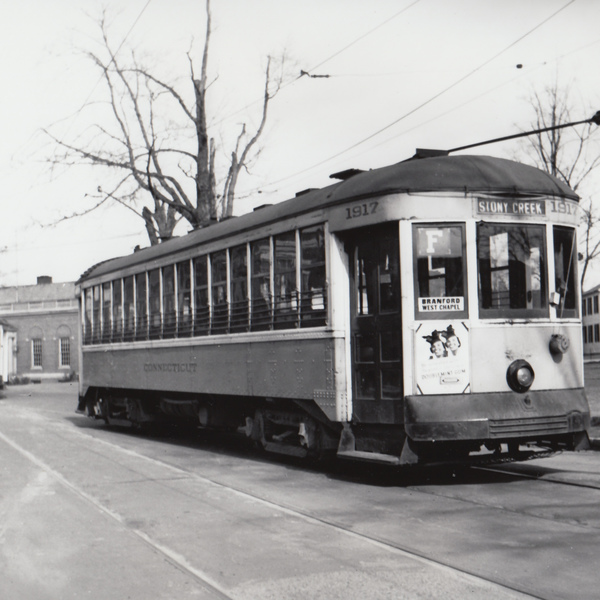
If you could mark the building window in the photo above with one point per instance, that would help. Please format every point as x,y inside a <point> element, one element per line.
<point>65,352</point>
<point>584,307</point>
<point>589,305</point>
<point>597,332</point>
<point>36,353</point>
<point>585,335</point>
<point>595,305</point>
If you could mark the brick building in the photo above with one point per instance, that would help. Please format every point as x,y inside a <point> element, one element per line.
<point>8,351</point>
<point>591,323</point>
<point>45,319</point>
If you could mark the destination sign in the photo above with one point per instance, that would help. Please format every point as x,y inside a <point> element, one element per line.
<point>511,207</point>
<point>442,303</point>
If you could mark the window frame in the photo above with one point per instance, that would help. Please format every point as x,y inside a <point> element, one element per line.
<point>239,303</point>
<point>440,314</point>
<point>285,273</point>
<point>261,318</point>
<point>62,352</point>
<point>218,292</point>
<point>571,286</point>
<point>37,354</point>
<point>542,312</point>
<point>313,300</point>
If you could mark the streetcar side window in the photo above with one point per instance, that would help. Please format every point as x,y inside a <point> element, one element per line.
<point>168,303</point>
<point>239,288</point>
<point>117,310</point>
<point>286,299</point>
<point>276,282</point>
<point>220,308</point>
<point>87,318</point>
<point>97,333</point>
<point>565,269</point>
<point>154,301</point>
<point>201,304</point>
<point>261,298</point>
<point>128,309</point>
<point>184,299</point>
<point>141,307</point>
<point>512,270</point>
<point>440,279</point>
<point>313,297</point>
<point>106,311</point>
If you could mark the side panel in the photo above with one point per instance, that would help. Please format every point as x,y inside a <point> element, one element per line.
<point>294,367</point>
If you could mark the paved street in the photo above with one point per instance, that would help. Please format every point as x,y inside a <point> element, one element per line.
<point>88,511</point>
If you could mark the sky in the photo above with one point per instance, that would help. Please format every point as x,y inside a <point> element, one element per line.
<point>394,75</point>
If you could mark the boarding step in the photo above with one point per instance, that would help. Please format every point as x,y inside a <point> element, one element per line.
<point>373,457</point>
<point>286,449</point>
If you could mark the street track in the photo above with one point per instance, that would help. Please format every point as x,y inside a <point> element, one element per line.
<point>538,473</point>
<point>183,564</point>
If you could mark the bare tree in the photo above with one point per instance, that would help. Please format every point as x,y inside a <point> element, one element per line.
<point>571,154</point>
<point>157,139</point>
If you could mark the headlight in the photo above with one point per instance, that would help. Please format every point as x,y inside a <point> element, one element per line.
<point>520,376</point>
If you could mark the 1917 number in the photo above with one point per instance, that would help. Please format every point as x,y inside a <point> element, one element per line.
<point>361,210</point>
<point>565,208</point>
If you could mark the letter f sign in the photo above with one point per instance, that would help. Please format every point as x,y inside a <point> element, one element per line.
<point>433,235</point>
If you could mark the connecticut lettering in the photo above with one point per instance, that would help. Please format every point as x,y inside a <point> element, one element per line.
<point>437,304</point>
<point>170,367</point>
<point>511,207</point>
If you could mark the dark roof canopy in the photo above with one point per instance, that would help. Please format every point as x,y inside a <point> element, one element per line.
<point>460,174</point>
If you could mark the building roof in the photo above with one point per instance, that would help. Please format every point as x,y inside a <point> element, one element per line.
<point>37,293</point>
<point>592,290</point>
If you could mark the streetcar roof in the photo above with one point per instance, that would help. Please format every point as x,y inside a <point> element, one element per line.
<point>461,173</point>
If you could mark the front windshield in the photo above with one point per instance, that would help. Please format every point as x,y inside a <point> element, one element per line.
<point>512,270</point>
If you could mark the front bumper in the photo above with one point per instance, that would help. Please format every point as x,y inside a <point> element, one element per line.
<point>496,416</point>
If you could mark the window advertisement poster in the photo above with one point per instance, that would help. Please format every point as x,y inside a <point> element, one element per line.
<point>442,358</point>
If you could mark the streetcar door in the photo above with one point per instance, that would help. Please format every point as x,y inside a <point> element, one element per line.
<point>376,326</point>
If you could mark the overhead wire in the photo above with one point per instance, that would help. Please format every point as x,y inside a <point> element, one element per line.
<point>325,61</point>
<point>358,39</point>
<point>457,82</point>
<point>429,100</point>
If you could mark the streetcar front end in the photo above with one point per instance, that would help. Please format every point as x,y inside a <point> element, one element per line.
<point>496,337</point>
